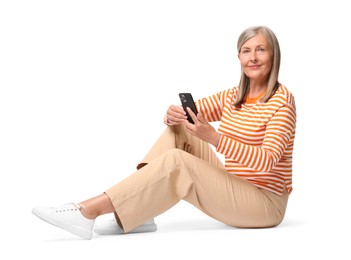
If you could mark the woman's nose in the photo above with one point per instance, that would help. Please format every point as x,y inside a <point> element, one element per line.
<point>253,56</point>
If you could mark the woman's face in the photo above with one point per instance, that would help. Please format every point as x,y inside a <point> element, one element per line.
<point>256,58</point>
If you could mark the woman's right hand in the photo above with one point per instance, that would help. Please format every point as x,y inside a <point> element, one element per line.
<point>175,115</point>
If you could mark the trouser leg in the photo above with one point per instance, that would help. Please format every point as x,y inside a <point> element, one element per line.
<point>178,137</point>
<point>171,174</point>
<point>178,175</point>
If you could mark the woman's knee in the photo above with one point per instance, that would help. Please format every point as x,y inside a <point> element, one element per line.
<point>178,155</point>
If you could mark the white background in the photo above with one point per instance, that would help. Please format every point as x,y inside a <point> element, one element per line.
<point>84,86</point>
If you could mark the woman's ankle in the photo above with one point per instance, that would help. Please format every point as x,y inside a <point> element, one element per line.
<point>86,213</point>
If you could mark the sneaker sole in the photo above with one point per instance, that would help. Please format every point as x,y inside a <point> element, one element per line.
<point>70,228</point>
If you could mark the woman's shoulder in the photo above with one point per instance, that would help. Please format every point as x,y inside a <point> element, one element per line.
<point>283,96</point>
<point>228,93</point>
<point>232,92</point>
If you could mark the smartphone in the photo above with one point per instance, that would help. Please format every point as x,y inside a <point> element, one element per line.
<point>187,101</point>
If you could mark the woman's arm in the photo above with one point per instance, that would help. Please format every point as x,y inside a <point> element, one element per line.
<point>210,108</point>
<point>202,129</point>
<point>279,131</point>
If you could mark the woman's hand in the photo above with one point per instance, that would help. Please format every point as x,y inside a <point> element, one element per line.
<point>175,115</point>
<point>202,129</point>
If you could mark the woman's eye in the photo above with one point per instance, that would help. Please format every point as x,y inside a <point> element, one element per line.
<point>260,50</point>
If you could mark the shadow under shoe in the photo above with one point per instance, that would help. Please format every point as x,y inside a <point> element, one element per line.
<point>110,227</point>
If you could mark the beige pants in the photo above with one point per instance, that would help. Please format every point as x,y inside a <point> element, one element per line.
<point>180,166</point>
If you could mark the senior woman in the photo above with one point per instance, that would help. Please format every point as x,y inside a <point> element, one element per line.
<point>255,135</point>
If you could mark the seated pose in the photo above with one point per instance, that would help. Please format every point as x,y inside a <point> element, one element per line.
<point>255,135</point>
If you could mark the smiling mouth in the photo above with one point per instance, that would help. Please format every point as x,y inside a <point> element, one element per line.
<point>255,67</point>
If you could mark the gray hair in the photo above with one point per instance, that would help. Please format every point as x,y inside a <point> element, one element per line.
<point>273,82</point>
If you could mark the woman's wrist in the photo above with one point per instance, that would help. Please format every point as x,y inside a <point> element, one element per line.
<point>216,139</point>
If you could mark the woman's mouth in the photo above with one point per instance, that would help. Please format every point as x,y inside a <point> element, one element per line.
<point>254,67</point>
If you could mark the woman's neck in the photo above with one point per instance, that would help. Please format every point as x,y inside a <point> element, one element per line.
<point>256,90</point>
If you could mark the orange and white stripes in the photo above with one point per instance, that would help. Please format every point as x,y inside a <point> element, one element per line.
<point>257,139</point>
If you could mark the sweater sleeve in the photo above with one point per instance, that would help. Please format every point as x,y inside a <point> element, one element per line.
<point>211,107</point>
<point>279,130</point>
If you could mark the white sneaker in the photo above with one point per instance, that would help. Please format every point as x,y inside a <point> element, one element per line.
<point>67,217</point>
<point>111,227</point>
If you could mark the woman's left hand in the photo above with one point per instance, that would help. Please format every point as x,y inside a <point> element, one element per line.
<point>202,129</point>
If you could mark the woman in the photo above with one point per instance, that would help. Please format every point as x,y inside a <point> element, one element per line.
<point>256,137</point>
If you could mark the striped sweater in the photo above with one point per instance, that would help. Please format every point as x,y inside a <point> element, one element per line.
<point>257,139</point>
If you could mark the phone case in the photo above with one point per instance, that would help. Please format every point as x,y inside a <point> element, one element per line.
<point>188,101</point>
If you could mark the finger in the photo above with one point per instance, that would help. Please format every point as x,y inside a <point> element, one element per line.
<point>176,119</point>
<point>176,113</point>
<point>173,119</point>
<point>176,110</point>
<point>189,126</point>
<point>179,109</point>
<point>192,115</point>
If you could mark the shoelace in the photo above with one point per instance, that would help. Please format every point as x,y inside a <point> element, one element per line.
<point>68,207</point>
<point>77,205</point>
